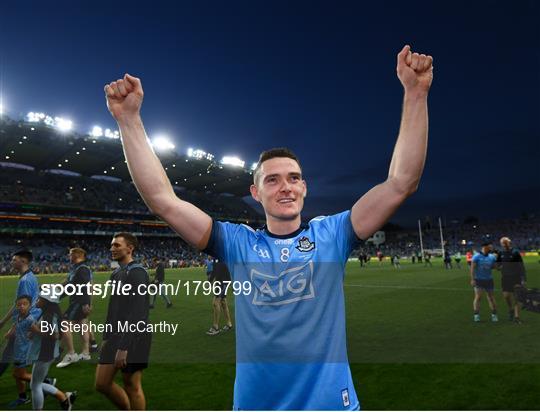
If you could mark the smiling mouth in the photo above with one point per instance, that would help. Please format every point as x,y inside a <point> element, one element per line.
<point>288,200</point>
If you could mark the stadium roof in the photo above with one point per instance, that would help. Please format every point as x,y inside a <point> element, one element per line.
<point>45,147</point>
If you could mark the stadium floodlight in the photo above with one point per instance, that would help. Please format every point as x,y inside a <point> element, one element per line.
<point>49,121</point>
<point>1,108</point>
<point>162,143</point>
<point>199,154</point>
<point>35,117</point>
<point>96,131</point>
<point>64,125</point>
<point>233,161</point>
<point>254,165</point>
<point>112,134</point>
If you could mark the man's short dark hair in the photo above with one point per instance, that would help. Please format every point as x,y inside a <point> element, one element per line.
<point>78,251</point>
<point>486,244</point>
<point>272,153</point>
<point>24,253</point>
<point>27,297</point>
<point>130,239</point>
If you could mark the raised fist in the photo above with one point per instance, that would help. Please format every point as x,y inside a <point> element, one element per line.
<point>124,97</point>
<point>415,71</point>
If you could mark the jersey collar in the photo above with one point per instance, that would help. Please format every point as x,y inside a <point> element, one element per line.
<point>302,227</point>
<point>26,273</point>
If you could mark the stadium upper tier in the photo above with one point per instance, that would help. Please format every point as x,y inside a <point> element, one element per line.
<point>46,193</point>
<point>41,145</point>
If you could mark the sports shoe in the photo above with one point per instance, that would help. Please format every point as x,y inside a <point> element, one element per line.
<point>226,328</point>
<point>169,305</point>
<point>18,402</point>
<point>212,331</point>
<point>84,356</point>
<point>68,360</point>
<point>494,317</point>
<point>476,317</point>
<point>94,348</point>
<point>518,321</point>
<point>70,400</point>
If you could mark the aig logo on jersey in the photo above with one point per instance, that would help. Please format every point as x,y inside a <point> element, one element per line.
<point>289,286</point>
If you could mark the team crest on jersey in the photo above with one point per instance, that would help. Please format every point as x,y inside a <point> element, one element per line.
<point>305,245</point>
<point>289,286</point>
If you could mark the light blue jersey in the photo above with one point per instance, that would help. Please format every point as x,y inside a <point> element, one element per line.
<point>28,285</point>
<point>209,265</point>
<point>22,341</point>
<point>484,265</point>
<point>290,335</point>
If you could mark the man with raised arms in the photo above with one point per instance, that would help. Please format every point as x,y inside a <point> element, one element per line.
<point>291,346</point>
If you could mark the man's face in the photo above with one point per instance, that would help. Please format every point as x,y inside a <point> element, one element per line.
<point>280,188</point>
<point>18,263</point>
<point>505,243</point>
<point>120,249</point>
<point>23,306</point>
<point>73,256</point>
<point>486,249</point>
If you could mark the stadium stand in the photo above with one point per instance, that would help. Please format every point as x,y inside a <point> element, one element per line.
<point>62,189</point>
<point>460,236</point>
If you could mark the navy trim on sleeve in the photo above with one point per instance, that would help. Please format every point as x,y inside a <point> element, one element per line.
<point>211,246</point>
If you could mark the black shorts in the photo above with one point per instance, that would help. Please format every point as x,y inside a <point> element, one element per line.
<point>74,312</point>
<point>509,282</point>
<point>485,284</point>
<point>222,289</point>
<point>138,352</point>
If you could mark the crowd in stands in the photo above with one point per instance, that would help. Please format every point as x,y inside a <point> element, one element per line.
<point>459,237</point>
<point>39,187</point>
<point>50,236</point>
<point>51,254</point>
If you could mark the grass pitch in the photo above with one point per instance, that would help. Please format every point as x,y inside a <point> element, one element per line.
<point>411,341</point>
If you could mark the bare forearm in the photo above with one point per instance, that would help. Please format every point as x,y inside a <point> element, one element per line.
<point>192,224</point>
<point>143,164</point>
<point>410,151</point>
<point>124,100</point>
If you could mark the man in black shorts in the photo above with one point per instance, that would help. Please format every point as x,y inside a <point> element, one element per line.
<point>125,351</point>
<point>159,279</point>
<point>513,274</point>
<point>78,309</point>
<point>220,279</point>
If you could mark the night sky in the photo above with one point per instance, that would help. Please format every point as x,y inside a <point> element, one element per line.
<point>318,77</point>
